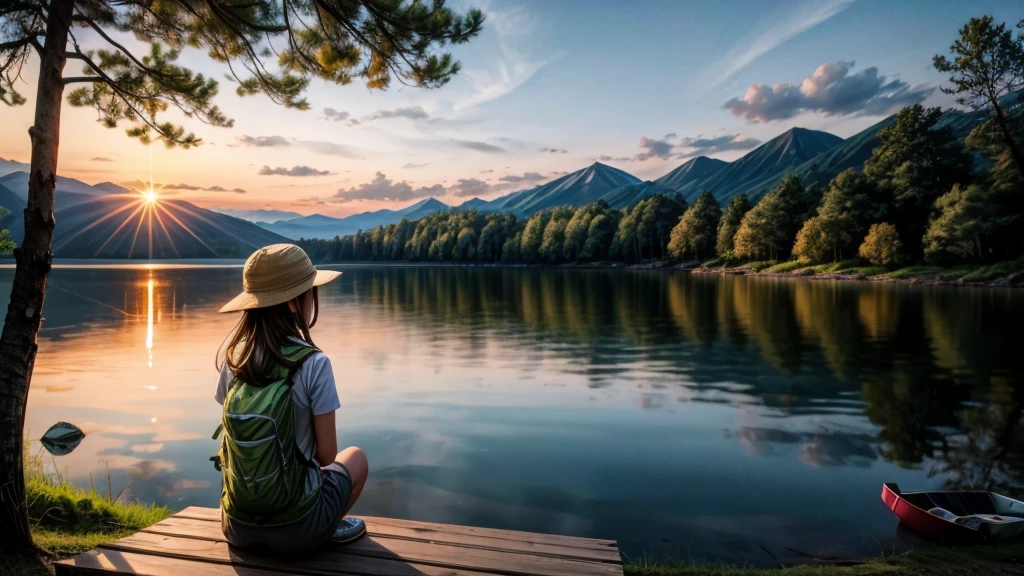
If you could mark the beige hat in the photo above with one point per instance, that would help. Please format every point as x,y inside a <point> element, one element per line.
<point>276,274</point>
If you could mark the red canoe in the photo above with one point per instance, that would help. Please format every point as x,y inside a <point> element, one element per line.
<point>956,517</point>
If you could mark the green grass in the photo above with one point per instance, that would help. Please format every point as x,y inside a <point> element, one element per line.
<point>995,271</point>
<point>924,561</point>
<point>762,265</point>
<point>67,520</point>
<point>917,271</point>
<point>785,267</point>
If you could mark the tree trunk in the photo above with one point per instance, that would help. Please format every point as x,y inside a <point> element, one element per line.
<point>33,257</point>
<point>1008,137</point>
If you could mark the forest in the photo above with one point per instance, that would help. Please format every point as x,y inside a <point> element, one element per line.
<point>922,196</point>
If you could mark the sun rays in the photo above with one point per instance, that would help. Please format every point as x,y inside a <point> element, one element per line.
<point>145,221</point>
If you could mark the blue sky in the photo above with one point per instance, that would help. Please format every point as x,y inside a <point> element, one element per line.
<point>547,88</point>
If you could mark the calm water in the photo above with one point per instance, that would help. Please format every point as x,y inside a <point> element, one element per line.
<point>698,416</point>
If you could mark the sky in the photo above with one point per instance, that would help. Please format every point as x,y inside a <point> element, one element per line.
<point>547,88</point>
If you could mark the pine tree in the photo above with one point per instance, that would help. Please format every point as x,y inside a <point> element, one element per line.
<point>695,235</point>
<point>988,64</point>
<point>270,47</point>
<point>730,223</point>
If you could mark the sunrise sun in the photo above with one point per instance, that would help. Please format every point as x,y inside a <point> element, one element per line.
<point>149,196</point>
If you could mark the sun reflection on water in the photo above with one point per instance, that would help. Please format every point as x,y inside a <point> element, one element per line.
<point>149,321</point>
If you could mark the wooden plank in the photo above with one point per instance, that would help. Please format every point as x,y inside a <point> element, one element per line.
<point>213,514</point>
<point>372,548</point>
<point>104,562</point>
<point>193,528</point>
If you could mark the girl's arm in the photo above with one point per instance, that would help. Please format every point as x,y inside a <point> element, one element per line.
<point>326,438</point>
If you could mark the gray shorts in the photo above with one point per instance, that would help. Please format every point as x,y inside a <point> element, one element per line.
<point>310,532</point>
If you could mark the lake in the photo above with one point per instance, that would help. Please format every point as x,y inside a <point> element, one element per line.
<point>697,416</point>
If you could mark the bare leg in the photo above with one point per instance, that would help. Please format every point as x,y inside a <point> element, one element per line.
<point>355,461</point>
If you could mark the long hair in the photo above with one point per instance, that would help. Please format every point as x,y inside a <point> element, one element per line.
<point>252,351</point>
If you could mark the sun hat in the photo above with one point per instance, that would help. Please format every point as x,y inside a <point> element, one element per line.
<point>276,274</point>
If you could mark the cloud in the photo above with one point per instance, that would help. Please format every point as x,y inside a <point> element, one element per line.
<point>469,187</point>
<point>264,141</point>
<point>478,146</point>
<point>380,188</point>
<point>777,30</point>
<point>554,150</point>
<point>335,115</point>
<point>514,65</point>
<point>832,90</point>
<point>705,146</point>
<point>525,177</point>
<point>488,171</point>
<point>411,166</point>
<point>192,187</point>
<point>318,146</point>
<point>654,149</point>
<point>101,159</point>
<point>409,112</point>
<point>607,158</point>
<point>670,136</point>
<point>297,171</point>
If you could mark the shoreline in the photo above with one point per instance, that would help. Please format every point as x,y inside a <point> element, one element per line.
<point>1009,274</point>
<point>1000,275</point>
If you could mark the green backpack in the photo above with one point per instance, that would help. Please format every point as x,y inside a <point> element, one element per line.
<point>263,470</point>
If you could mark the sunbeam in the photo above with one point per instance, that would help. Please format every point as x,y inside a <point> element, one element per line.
<point>119,228</point>
<point>170,240</point>
<point>96,223</point>
<point>170,215</point>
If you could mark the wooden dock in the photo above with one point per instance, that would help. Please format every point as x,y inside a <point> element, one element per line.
<point>191,543</point>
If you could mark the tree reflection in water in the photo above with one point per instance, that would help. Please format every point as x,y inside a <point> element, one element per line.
<point>933,367</point>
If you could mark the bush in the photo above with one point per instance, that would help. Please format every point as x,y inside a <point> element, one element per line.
<point>882,245</point>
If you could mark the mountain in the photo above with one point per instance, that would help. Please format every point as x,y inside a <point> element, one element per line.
<point>118,226</point>
<point>261,215</point>
<point>10,166</point>
<point>326,227</point>
<point>17,182</point>
<point>778,156</point>
<point>687,177</point>
<point>630,194</point>
<point>15,206</point>
<point>111,188</point>
<point>580,187</point>
<point>692,173</point>
<point>471,204</point>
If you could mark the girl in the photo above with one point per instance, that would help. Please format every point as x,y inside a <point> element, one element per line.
<point>286,487</point>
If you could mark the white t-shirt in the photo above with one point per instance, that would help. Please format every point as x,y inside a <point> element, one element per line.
<point>313,393</point>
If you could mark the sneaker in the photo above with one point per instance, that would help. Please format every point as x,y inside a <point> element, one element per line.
<point>349,529</point>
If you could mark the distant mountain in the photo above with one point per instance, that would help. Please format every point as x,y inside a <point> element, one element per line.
<point>630,194</point>
<point>17,182</point>
<point>111,188</point>
<point>261,215</point>
<point>780,155</point>
<point>16,206</point>
<point>684,179</point>
<point>471,204</point>
<point>112,227</point>
<point>580,187</point>
<point>326,227</point>
<point>692,173</point>
<point>11,166</point>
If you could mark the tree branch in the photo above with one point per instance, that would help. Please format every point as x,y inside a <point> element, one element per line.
<point>113,43</point>
<point>83,79</point>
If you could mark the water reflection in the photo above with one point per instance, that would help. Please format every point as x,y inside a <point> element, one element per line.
<point>704,415</point>
<point>149,320</point>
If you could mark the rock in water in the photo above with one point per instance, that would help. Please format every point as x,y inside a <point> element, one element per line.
<point>62,438</point>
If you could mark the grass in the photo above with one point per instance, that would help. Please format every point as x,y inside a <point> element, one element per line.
<point>924,561</point>
<point>67,520</point>
<point>1010,273</point>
